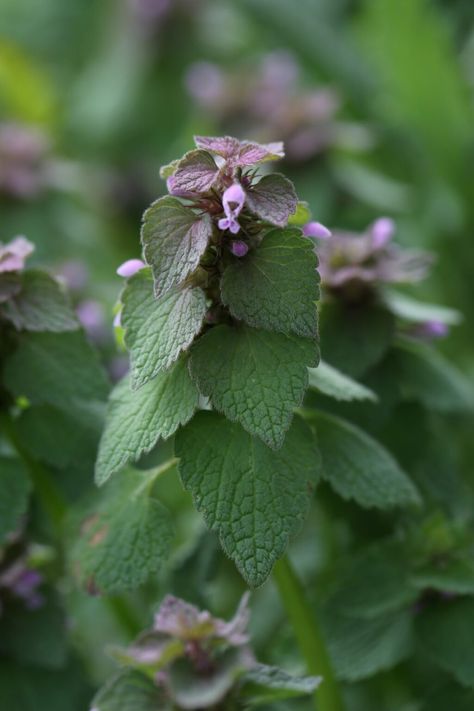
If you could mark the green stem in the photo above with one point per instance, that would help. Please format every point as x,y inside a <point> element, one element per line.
<point>308,634</point>
<point>51,498</point>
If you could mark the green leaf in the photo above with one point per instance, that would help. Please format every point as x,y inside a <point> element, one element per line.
<point>174,239</point>
<point>37,636</point>
<point>333,383</point>
<point>190,689</point>
<point>362,648</point>
<point>445,633</point>
<point>137,419</point>
<point>14,491</point>
<point>377,581</point>
<point>357,467</point>
<point>273,199</point>
<point>410,309</point>
<point>130,691</point>
<point>40,305</point>
<point>276,285</point>
<point>61,437</point>
<point>355,338</point>
<point>55,368</point>
<point>301,216</point>
<point>255,498</point>
<point>254,377</point>
<point>124,538</point>
<point>157,330</point>
<point>10,284</point>
<point>451,696</point>
<point>450,576</point>
<point>265,684</point>
<point>196,172</point>
<point>426,376</point>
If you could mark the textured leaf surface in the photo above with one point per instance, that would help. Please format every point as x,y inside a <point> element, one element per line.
<point>124,539</point>
<point>40,305</point>
<point>426,376</point>
<point>157,330</point>
<point>359,468</point>
<point>255,498</point>
<point>136,419</point>
<point>130,691</point>
<point>333,383</point>
<point>276,285</point>
<point>355,339</point>
<point>55,368</point>
<point>195,173</point>
<point>445,631</point>
<point>174,239</point>
<point>362,648</point>
<point>254,377</point>
<point>265,684</point>
<point>273,199</point>
<point>14,491</point>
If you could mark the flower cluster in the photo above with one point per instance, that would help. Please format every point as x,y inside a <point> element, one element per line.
<point>269,101</point>
<point>23,160</point>
<point>352,265</point>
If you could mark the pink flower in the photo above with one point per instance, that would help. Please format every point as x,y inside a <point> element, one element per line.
<point>130,267</point>
<point>316,229</point>
<point>382,231</point>
<point>232,202</point>
<point>13,254</point>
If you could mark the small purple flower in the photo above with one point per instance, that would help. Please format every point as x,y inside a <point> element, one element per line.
<point>316,229</point>
<point>130,267</point>
<point>239,248</point>
<point>14,254</point>
<point>431,330</point>
<point>382,231</point>
<point>232,202</point>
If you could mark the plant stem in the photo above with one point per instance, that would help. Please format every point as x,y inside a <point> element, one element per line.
<point>308,634</point>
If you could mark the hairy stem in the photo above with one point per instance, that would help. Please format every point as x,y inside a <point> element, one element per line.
<point>308,634</point>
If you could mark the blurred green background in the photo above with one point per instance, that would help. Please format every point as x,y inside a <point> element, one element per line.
<point>372,97</point>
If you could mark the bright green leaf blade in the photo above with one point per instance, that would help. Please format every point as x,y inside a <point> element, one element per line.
<point>275,286</point>
<point>174,239</point>
<point>130,691</point>
<point>425,375</point>
<point>41,305</point>
<point>157,330</point>
<point>273,199</point>
<point>445,631</point>
<point>265,684</point>
<point>55,368</point>
<point>359,468</point>
<point>333,383</point>
<point>14,491</point>
<point>301,216</point>
<point>254,377</point>
<point>410,309</point>
<point>124,538</point>
<point>136,419</point>
<point>253,497</point>
<point>362,648</point>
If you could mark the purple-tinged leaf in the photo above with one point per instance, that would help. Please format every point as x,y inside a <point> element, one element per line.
<point>240,153</point>
<point>174,239</point>
<point>273,199</point>
<point>194,174</point>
